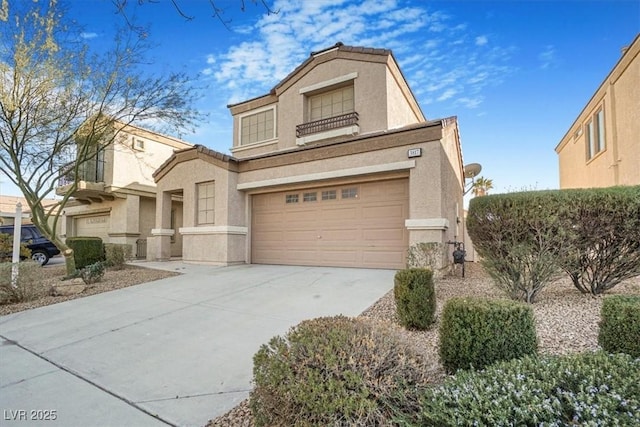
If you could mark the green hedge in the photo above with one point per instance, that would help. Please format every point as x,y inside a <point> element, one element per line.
<point>475,333</point>
<point>335,371</point>
<point>525,238</point>
<point>86,250</point>
<point>415,297</point>
<point>604,236</point>
<point>518,237</point>
<point>591,389</point>
<point>620,324</point>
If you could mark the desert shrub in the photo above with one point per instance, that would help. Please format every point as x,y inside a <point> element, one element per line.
<point>594,389</point>
<point>519,237</point>
<point>28,284</point>
<point>620,324</point>
<point>475,333</point>
<point>604,236</point>
<point>425,255</point>
<point>6,248</point>
<point>335,371</point>
<point>86,250</point>
<point>415,297</point>
<point>117,255</point>
<point>92,273</point>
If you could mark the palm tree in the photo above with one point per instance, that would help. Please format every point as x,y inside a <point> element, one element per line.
<point>481,186</point>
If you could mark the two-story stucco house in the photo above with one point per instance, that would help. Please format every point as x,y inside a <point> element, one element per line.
<point>335,166</point>
<point>602,146</point>
<point>116,194</point>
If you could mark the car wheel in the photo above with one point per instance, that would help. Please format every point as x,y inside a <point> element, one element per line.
<point>40,257</point>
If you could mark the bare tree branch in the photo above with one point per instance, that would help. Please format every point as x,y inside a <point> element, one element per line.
<point>61,108</point>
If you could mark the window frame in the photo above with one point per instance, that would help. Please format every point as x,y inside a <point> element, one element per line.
<point>595,134</point>
<point>248,114</point>
<point>330,91</point>
<point>207,209</point>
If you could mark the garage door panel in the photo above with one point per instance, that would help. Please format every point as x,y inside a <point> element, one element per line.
<point>339,213</point>
<point>268,217</point>
<point>383,236</point>
<point>383,212</point>
<point>340,257</point>
<point>363,231</point>
<point>300,236</point>
<point>93,226</point>
<point>331,236</point>
<point>378,259</point>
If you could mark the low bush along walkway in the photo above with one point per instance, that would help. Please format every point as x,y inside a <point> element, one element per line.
<point>566,321</point>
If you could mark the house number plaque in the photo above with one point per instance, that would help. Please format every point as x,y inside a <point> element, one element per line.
<point>414,152</point>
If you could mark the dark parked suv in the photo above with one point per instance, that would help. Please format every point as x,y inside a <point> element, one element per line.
<point>41,248</point>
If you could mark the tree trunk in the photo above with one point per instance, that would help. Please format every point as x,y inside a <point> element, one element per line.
<point>69,261</point>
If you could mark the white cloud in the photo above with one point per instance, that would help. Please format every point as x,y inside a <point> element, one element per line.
<point>88,36</point>
<point>481,40</point>
<point>442,59</point>
<point>547,57</point>
<point>447,94</point>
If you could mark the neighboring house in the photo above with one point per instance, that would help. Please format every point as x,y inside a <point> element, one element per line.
<point>8,209</point>
<point>335,166</point>
<point>116,194</point>
<point>602,147</point>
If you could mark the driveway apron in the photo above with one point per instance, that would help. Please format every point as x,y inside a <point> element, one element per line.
<point>172,352</point>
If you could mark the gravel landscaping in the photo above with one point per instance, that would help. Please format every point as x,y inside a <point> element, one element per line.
<point>566,321</point>
<point>113,279</point>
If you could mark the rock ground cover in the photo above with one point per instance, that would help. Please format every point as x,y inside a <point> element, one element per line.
<point>113,279</point>
<point>566,321</point>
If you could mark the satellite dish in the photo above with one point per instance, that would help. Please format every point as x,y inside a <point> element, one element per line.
<point>472,170</point>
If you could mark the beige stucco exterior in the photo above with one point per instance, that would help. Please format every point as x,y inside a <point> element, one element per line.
<point>619,163</point>
<point>120,207</point>
<point>375,149</point>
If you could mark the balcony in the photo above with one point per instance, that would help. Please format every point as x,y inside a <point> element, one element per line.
<point>328,124</point>
<point>90,183</point>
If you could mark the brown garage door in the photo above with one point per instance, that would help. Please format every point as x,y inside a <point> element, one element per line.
<point>359,225</point>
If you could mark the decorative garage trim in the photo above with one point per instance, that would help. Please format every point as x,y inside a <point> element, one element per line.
<point>427,224</point>
<point>162,232</point>
<point>349,130</point>
<point>389,167</point>
<point>217,229</point>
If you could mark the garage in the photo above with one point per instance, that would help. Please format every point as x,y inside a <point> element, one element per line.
<point>349,225</point>
<point>93,226</point>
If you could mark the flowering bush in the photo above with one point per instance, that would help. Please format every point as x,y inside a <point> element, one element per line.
<point>595,389</point>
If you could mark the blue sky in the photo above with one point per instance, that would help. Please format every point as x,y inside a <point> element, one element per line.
<point>515,73</point>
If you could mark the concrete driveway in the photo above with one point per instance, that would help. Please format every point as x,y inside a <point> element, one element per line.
<point>171,352</point>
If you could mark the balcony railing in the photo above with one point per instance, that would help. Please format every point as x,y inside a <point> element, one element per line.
<point>91,171</point>
<point>330,123</point>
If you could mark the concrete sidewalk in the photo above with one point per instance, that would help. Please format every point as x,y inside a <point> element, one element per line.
<point>171,352</point>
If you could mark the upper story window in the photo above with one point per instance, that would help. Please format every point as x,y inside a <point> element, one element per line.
<point>331,104</point>
<point>206,202</point>
<point>258,127</point>
<point>594,131</point>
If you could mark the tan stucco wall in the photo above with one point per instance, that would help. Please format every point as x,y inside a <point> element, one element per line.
<point>136,166</point>
<point>203,243</point>
<point>401,107</point>
<point>380,99</point>
<point>619,95</point>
